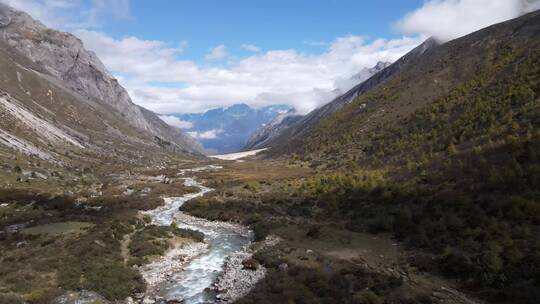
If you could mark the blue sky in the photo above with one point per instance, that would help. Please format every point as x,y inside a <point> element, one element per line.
<point>183,56</point>
<point>307,26</point>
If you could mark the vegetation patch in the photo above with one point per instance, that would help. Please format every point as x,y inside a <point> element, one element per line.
<point>317,279</point>
<point>58,228</point>
<point>154,240</point>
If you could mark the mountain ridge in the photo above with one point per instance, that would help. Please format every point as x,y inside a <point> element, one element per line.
<point>409,88</point>
<point>227,129</point>
<point>53,88</point>
<point>296,127</point>
<point>61,58</point>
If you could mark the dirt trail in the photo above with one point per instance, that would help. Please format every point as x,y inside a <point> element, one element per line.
<point>124,246</point>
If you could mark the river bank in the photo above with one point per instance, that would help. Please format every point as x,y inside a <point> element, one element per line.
<point>211,271</point>
<point>241,273</point>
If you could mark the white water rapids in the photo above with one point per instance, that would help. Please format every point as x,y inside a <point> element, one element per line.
<point>169,278</point>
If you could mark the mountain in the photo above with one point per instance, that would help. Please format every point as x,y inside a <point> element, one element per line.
<point>295,127</point>
<point>442,150</point>
<point>345,85</point>
<point>271,130</point>
<point>378,115</point>
<point>58,99</point>
<point>225,130</point>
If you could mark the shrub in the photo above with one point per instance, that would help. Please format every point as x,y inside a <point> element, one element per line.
<point>366,297</point>
<point>260,230</point>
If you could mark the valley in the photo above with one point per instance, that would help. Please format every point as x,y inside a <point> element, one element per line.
<point>417,181</point>
<point>288,243</point>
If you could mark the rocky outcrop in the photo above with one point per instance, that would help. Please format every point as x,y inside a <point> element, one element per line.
<point>63,56</point>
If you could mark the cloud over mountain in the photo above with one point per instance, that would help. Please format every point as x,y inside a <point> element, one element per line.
<point>158,75</point>
<point>278,76</point>
<point>176,122</point>
<point>450,19</point>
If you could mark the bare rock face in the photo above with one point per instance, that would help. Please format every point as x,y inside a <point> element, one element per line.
<point>63,56</point>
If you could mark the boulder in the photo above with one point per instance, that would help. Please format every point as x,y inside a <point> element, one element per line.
<point>250,264</point>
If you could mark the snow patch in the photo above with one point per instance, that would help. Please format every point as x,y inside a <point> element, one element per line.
<point>238,155</point>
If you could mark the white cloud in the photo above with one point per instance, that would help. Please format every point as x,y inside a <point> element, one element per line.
<point>278,76</point>
<point>71,14</point>
<point>449,19</point>
<point>176,122</point>
<point>251,48</point>
<point>210,134</point>
<point>148,59</point>
<point>217,53</point>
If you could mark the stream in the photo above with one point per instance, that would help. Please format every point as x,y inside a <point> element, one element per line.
<point>172,277</point>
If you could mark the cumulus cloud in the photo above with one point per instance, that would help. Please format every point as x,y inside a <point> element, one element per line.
<point>176,122</point>
<point>251,48</point>
<point>217,53</point>
<point>149,60</point>
<point>450,19</point>
<point>210,134</point>
<point>278,76</point>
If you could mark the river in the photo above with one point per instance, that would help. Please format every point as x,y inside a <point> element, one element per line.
<point>170,278</point>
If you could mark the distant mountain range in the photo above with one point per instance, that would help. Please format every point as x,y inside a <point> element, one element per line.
<point>227,129</point>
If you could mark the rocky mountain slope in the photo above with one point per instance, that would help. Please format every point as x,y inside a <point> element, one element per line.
<point>59,103</point>
<point>296,127</point>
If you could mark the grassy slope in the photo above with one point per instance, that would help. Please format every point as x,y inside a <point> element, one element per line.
<point>455,141</point>
<point>460,92</point>
<point>323,261</point>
